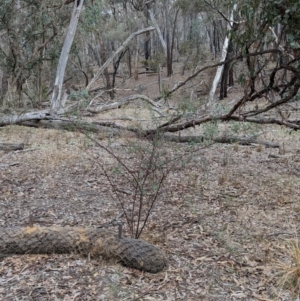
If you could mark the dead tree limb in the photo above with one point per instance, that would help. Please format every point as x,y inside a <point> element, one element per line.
<point>231,60</point>
<point>11,146</point>
<point>222,139</point>
<point>122,102</point>
<point>162,41</point>
<point>108,128</point>
<point>9,164</point>
<point>17,119</point>
<point>121,48</point>
<point>172,128</point>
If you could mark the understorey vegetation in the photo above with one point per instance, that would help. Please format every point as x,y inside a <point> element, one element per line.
<point>174,122</point>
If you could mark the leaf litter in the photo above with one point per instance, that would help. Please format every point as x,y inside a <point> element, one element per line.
<point>223,226</point>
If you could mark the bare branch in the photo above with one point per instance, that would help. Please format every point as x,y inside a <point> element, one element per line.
<point>124,101</point>
<point>127,41</point>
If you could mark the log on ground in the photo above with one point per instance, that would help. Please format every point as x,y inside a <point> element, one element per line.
<point>11,146</point>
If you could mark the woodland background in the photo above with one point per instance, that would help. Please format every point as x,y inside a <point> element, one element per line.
<point>178,119</point>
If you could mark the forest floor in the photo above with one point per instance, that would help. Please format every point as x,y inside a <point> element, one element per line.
<point>225,220</point>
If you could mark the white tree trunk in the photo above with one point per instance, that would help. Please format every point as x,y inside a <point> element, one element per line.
<point>162,41</point>
<point>56,100</point>
<point>223,57</point>
<point>136,59</point>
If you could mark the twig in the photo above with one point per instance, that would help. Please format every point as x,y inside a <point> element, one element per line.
<point>9,164</point>
<point>17,152</point>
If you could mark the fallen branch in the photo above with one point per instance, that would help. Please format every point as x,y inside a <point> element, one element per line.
<point>45,120</point>
<point>9,164</point>
<point>223,139</point>
<point>16,119</point>
<point>172,128</point>
<point>123,101</point>
<point>11,146</point>
<point>17,152</point>
<point>109,128</point>
<point>231,60</point>
<point>293,124</point>
<point>105,65</point>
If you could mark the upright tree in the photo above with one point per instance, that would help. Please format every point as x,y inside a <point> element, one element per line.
<point>57,100</point>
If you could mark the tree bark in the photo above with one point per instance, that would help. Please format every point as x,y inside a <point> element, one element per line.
<point>222,139</point>
<point>56,100</point>
<point>220,68</point>
<point>136,59</point>
<point>147,41</point>
<point>17,119</point>
<point>123,101</point>
<point>105,71</point>
<point>11,146</point>
<point>168,42</point>
<point>162,41</point>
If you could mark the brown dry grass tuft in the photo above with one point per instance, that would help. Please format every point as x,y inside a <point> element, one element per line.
<point>222,179</point>
<point>290,272</point>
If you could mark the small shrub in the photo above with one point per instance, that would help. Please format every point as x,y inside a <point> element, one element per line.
<point>83,94</point>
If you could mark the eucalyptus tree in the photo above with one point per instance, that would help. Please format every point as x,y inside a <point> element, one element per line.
<point>259,44</point>
<point>201,32</point>
<point>143,6</point>
<point>266,37</point>
<point>266,43</point>
<point>105,24</point>
<point>29,38</point>
<point>57,100</point>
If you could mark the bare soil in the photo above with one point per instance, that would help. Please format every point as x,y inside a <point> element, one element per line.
<point>224,220</point>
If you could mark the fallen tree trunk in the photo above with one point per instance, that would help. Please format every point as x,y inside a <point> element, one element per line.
<point>16,119</point>
<point>112,129</point>
<point>109,129</point>
<point>223,139</point>
<point>11,146</point>
<point>133,253</point>
<point>123,101</point>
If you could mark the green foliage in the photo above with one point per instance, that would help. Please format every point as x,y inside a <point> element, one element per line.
<point>190,6</point>
<point>156,61</point>
<point>242,79</point>
<point>25,26</point>
<point>211,130</point>
<point>286,12</point>
<point>296,98</point>
<point>189,105</point>
<point>165,93</point>
<point>244,128</point>
<point>98,18</point>
<point>258,16</point>
<point>77,95</point>
<point>185,47</point>
<point>93,16</point>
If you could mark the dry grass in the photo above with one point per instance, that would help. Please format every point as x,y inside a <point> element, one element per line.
<point>223,220</point>
<point>289,272</point>
<point>223,226</point>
